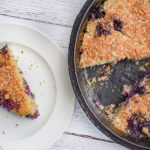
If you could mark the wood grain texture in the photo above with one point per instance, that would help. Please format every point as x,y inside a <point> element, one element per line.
<point>55,18</point>
<point>80,124</point>
<point>58,12</point>
<point>71,142</point>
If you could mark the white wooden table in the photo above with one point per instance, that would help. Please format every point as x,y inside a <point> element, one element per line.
<point>56,18</point>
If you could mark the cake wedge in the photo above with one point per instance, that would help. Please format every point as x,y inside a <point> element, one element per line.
<point>15,93</point>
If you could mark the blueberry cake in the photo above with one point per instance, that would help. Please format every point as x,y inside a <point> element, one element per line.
<point>118,30</point>
<point>15,93</point>
<point>133,115</point>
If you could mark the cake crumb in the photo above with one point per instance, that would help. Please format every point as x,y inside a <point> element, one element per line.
<point>102,84</point>
<point>7,96</point>
<point>94,80</point>
<point>91,89</point>
<point>127,88</point>
<point>31,66</point>
<point>142,68</point>
<point>89,83</point>
<point>101,107</point>
<point>145,130</point>
<point>137,63</point>
<point>3,132</point>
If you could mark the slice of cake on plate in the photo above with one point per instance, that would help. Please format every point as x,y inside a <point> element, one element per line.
<point>15,94</point>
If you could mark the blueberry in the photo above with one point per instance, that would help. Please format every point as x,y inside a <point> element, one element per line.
<point>10,105</point>
<point>106,32</point>
<point>98,13</point>
<point>136,124</point>
<point>118,25</point>
<point>36,114</point>
<point>99,29</point>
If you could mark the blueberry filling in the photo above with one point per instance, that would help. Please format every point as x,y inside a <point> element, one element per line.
<point>7,103</point>
<point>100,30</point>
<point>36,114</point>
<point>118,25</point>
<point>96,102</point>
<point>4,51</point>
<point>28,90</point>
<point>106,32</point>
<point>125,94</point>
<point>136,124</point>
<point>98,13</point>
<point>139,90</point>
<point>10,105</point>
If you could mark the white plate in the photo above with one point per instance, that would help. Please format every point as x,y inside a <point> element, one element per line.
<point>46,71</point>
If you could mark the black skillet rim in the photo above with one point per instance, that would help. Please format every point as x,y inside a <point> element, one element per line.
<point>76,88</point>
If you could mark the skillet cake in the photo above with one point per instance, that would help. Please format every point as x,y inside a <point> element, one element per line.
<point>118,30</point>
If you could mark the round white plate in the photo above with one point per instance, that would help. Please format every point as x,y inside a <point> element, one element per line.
<point>45,69</point>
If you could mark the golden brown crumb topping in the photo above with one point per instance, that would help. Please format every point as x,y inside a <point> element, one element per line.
<point>124,32</point>
<point>138,104</point>
<point>12,84</point>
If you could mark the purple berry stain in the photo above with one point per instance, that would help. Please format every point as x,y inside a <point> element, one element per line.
<point>34,116</point>
<point>100,30</point>
<point>136,124</point>
<point>98,13</point>
<point>4,50</point>
<point>118,25</point>
<point>10,105</point>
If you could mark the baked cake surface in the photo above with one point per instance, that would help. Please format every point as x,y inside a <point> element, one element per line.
<point>15,94</point>
<point>119,30</point>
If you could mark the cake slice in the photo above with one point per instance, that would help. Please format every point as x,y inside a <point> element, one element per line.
<point>101,44</point>
<point>132,116</point>
<point>15,94</point>
<point>120,29</point>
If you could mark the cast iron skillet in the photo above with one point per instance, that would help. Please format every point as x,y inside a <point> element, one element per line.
<point>129,70</point>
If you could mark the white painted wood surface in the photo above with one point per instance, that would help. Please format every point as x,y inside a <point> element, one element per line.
<point>55,18</point>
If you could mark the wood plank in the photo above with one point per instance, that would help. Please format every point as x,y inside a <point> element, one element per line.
<point>80,124</point>
<point>59,12</point>
<point>70,142</point>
